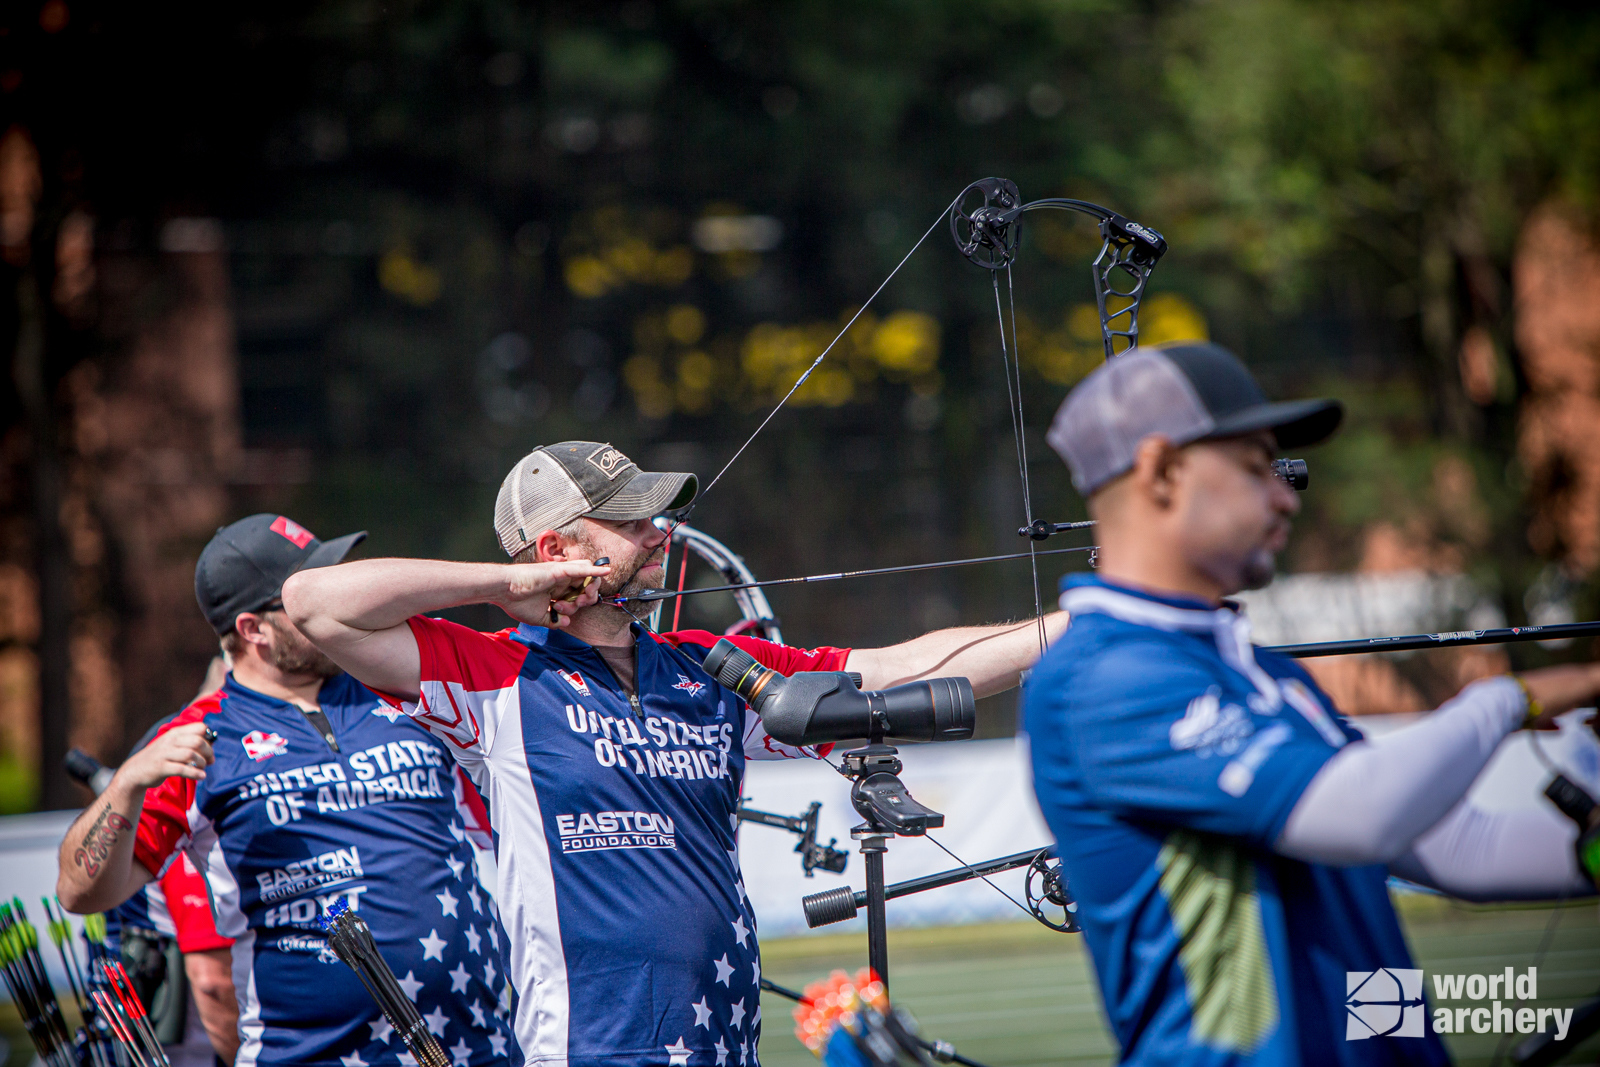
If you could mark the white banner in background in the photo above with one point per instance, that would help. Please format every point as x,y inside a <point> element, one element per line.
<point>984,790</point>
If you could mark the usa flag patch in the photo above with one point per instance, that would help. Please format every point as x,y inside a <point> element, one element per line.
<point>692,688</point>
<point>263,746</point>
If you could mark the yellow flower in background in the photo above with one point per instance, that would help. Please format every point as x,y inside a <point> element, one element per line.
<point>402,275</point>
<point>1169,317</point>
<point>685,323</point>
<point>907,343</point>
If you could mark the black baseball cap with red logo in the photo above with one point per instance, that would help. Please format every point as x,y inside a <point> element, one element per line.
<point>245,565</point>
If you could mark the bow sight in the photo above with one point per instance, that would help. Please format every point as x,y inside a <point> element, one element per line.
<point>989,233</point>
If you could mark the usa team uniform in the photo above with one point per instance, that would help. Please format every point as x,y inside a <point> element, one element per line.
<point>632,941</point>
<point>1168,753</point>
<point>284,825</point>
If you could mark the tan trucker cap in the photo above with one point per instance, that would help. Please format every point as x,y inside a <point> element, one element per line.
<point>554,484</point>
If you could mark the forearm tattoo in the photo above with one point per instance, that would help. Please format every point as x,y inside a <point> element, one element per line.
<point>99,839</point>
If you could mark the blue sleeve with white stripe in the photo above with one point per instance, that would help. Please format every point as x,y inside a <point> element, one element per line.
<point>1166,734</point>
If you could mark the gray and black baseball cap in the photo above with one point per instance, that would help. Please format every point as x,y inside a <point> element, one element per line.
<point>554,484</point>
<point>1186,391</point>
<point>244,566</point>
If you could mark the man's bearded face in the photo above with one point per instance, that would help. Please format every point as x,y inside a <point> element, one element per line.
<point>632,572</point>
<point>291,653</point>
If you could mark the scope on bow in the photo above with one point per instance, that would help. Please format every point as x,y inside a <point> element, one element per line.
<point>1294,472</point>
<point>812,707</point>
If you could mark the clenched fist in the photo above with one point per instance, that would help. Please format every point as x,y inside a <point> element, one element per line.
<point>181,752</point>
<point>536,592</point>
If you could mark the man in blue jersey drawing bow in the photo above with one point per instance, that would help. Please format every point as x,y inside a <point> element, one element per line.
<point>611,761</point>
<point>1226,832</point>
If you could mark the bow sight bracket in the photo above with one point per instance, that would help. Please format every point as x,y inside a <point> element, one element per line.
<point>986,222</point>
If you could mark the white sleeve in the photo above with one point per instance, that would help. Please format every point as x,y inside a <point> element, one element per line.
<point>1375,797</point>
<point>1480,855</point>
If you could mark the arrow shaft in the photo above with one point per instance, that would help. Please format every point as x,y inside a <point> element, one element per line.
<point>668,594</point>
<point>1502,635</point>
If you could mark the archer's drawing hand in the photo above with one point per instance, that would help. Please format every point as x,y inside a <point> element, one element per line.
<point>535,592</point>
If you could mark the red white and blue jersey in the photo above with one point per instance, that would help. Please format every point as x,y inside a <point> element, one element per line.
<point>176,906</point>
<point>283,825</point>
<point>614,817</point>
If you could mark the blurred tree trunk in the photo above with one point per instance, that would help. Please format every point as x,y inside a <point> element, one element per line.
<point>50,554</point>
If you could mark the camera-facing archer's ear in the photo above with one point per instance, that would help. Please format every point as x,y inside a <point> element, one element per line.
<point>1155,464</point>
<point>549,547</point>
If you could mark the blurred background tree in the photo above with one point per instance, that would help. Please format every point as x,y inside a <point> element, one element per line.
<point>349,259</point>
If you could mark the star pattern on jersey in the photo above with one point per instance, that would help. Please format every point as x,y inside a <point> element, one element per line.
<point>724,970</point>
<point>432,947</point>
<point>460,1053</point>
<point>474,940</point>
<point>756,966</point>
<point>384,710</point>
<point>488,973</point>
<point>722,1053</point>
<point>702,1014</point>
<point>459,978</point>
<point>477,906</point>
<point>741,932</point>
<point>447,902</point>
<point>494,936</point>
<point>411,986</point>
<point>353,1060</point>
<point>436,1020</point>
<point>456,867</point>
<point>738,1014</point>
<point>744,1054</point>
<point>458,832</point>
<point>497,1044</point>
<point>381,1030</point>
<point>678,1054</point>
<point>478,1018</point>
<point>407,1060</point>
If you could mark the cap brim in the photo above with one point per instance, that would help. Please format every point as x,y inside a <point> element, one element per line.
<point>646,495</point>
<point>1297,423</point>
<point>330,552</point>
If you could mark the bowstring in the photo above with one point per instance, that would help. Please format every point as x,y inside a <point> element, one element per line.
<point>837,338</point>
<point>1018,427</point>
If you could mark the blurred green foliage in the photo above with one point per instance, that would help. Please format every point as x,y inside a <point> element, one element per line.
<point>460,228</point>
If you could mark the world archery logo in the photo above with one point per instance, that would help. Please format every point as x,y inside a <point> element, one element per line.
<point>1386,1002</point>
<point>262,746</point>
<point>574,679</point>
<point>692,688</point>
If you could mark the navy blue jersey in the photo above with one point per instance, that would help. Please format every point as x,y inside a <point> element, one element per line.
<point>1168,753</point>
<point>614,819</point>
<point>283,825</point>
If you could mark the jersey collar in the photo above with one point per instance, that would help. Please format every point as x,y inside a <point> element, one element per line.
<point>1084,594</point>
<point>1089,594</point>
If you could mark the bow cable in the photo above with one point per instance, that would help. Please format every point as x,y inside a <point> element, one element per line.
<point>824,354</point>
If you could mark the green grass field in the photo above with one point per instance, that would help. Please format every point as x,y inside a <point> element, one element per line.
<point>1016,994</point>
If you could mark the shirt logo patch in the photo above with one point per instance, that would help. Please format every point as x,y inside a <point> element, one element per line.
<point>609,461</point>
<point>692,688</point>
<point>286,527</point>
<point>262,746</point>
<point>1211,727</point>
<point>575,680</point>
